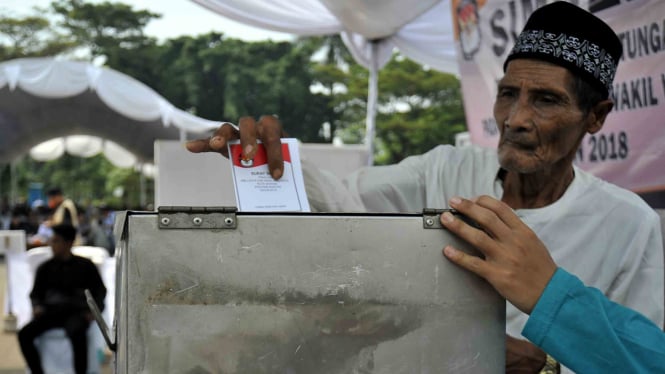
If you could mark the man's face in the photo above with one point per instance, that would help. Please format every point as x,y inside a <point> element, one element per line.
<point>54,201</point>
<point>538,117</point>
<point>59,246</point>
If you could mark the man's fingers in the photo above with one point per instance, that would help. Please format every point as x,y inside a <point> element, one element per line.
<point>222,136</point>
<point>472,263</point>
<point>248,133</point>
<point>271,131</point>
<point>471,235</point>
<point>198,145</point>
<point>486,218</point>
<point>215,143</point>
<point>501,209</point>
<point>268,130</point>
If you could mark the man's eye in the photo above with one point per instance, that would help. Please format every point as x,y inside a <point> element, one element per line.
<point>548,99</point>
<point>506,93</point>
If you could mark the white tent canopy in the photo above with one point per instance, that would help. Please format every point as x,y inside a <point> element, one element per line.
<point>83,146</point>
<point>420,29</point>
<point>45,98</point>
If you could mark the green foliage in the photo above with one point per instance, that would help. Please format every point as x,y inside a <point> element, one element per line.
<point>418,108</point>
<point>219,78</point>
<point>30,37</point>
<point>88,181</point>
<point>104,27</point>
<point>92,181</point>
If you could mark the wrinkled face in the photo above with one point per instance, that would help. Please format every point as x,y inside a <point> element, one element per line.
<point>538,117</point>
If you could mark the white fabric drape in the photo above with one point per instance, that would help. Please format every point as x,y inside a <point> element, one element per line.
<point>425,37</point>
<point>53,78</point>
<point>83,146</point>
<point>48,150</point>
<point>56,79</point>
<point>301,17</point>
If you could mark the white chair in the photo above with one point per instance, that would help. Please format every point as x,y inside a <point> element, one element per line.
<point>95,254</point>
<point>12,245</point>
<point>12,241</point>
<point>57,356</point>
<point>36,256</point>
<point>54,347</point>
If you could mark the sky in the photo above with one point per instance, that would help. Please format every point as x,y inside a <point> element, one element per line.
<point>179,17</point>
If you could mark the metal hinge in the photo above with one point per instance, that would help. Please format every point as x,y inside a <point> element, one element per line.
<point>432,218</point>
<point>187,217</point>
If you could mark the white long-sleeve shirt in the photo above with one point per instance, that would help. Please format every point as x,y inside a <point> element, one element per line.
<point>605,235</point>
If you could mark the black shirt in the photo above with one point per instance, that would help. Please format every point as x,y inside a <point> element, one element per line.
<point>60,284</point>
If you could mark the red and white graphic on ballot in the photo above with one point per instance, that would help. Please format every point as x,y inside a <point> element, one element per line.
<point>260,158</point>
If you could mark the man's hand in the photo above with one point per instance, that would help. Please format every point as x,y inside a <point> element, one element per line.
<point>523,357</point>
<point>268,130</point>
<point>516,262</point>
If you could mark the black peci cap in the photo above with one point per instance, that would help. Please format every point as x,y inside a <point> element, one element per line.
<point>567,35</point>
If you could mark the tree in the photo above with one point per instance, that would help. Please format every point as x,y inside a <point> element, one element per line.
<point>30,36</point>
<point>88,181</point>
<point>219,78</point>
<point>418,109</point>
<point>106,27</point>
<point>331,70</point>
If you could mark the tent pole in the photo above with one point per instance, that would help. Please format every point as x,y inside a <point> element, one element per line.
<point>12,183</point>
<point>2,173</point>
<point>372,96</point>
<point>142,194</point>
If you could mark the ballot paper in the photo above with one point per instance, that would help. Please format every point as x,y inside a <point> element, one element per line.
<point>257,191</point>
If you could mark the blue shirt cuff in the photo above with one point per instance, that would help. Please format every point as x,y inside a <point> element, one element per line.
<point>548,306</point>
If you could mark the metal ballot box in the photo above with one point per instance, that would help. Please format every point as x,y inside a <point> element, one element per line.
<point>209,290</point>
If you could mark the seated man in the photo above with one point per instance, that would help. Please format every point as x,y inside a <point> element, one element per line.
<point>58,299</point>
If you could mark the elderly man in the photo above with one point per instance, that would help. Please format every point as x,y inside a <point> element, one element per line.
<point>546,103</point>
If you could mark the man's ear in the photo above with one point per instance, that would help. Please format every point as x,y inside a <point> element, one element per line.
<point>598,114</point>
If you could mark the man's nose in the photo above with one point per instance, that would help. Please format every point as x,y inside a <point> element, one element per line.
<point>520,117</point>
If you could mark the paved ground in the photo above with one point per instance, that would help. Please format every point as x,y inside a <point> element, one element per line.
<point>11,360</point>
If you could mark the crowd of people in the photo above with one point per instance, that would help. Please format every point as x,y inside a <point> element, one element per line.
<point>94,223</point>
